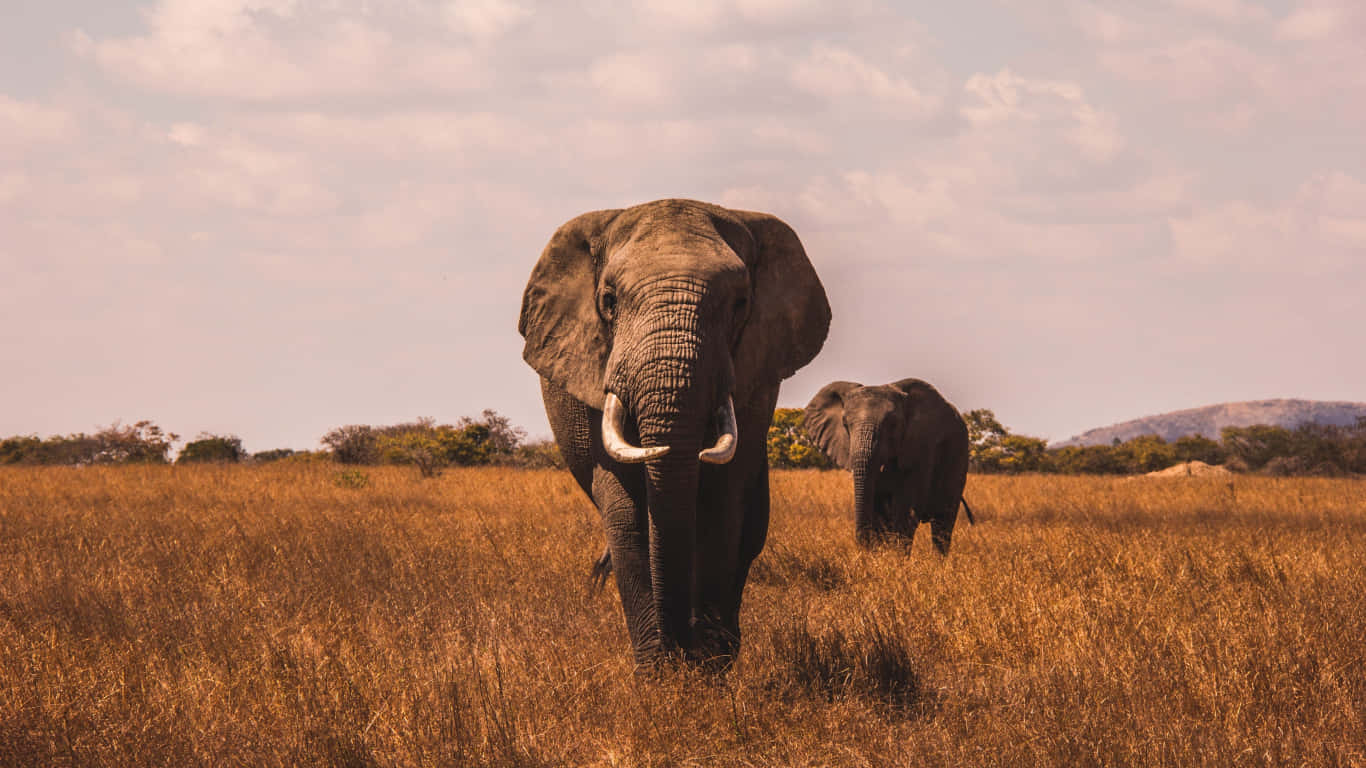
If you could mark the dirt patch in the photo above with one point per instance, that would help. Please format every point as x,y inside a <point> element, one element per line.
<point>1191,469</point>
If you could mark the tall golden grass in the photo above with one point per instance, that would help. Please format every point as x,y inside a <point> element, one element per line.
<point>280,615</point>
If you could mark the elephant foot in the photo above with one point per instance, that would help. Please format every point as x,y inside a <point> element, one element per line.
<point>900,539</point>
<point>712,649</point>
<point>715,645</point>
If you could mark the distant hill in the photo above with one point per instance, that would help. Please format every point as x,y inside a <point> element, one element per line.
<point>1209,420</point>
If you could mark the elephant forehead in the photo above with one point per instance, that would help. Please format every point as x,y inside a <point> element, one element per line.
<point>870,401</point>
<point>707,266</point>
<point>664,220</point>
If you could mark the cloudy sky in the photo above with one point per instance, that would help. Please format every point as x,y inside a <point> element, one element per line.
<point>273,217</point>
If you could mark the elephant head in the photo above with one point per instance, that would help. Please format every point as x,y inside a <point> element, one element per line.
<point>670,318</point>
<point>906,447</point>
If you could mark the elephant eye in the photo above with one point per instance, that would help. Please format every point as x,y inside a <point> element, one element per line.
<point>609,305</point>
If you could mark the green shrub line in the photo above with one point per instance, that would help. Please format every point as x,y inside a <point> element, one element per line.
<point>492,439</point>
<point>1310,449</point>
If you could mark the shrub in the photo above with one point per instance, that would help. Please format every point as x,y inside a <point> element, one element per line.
<point>140,443</point>
<point>1258,444</point>
<point>351,478</point>
<point>208,448</point>
<point>21,450</point>
<point>1199,448</point>
<point>422,448</point>
<point>789,446</point>
<point>542,454</point>
<point>353,444</point>
<point>502,437</point>
<point>274,454</point>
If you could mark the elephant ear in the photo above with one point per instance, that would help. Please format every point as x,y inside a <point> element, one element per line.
<point>565,339</point>
<point>911,386</point>
<point>923,415</point>
<point>789,317</point>
<point>825,421</point>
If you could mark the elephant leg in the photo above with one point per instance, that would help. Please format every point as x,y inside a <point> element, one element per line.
<point>715,565</point>
<point>733,514</point>
<point>951,474</point>
<point>909,501</point>
<point>902,519</point>
<point>619,492</point>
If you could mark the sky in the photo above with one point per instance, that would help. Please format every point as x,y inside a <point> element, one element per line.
<point>269,218</point>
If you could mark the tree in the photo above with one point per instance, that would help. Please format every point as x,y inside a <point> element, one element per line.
<point>984,430</point>
<point>142,443</point>
<point>992,448</point>
<point>26,449</point>
<point>1199,448</point>
<point>353,444</point>
<point>789,447</point>
<point>207,448</point>
<point>503,437</point>
<point>1086,460</point>
<point>1257,444</point>
<point>420,447</point>
<point>1145,453</point>
<point>468,445</point>
<point>1012,454</point>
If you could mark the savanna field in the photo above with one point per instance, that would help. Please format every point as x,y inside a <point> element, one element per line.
<point>298,614</point>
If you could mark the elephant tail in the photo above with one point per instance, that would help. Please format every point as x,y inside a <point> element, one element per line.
<point>602,570</point>
<point>971,519</point>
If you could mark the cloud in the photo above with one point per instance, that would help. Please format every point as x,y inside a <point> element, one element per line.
<point>23,122</point>
<point>291,50</point>
<point>1321,227</point>
<point>1008,102</point>
<point>1311,23</point>
<point>484,20</point>
<point>358,184</point>
<point>844,79</point>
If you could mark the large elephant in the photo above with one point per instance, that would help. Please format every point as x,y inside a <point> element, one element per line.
<point>908,450</point>
<point>661,333</point>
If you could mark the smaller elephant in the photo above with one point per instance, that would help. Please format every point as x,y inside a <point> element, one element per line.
<point>907,448</point>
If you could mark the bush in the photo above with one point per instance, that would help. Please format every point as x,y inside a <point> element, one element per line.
<point>21,450</point>
<point>351,478</point>
<point>1199,448</point>
<point>542,454</point>
<point>141,443</point>
<point>274,454</point>
<point>353,444</point>
<point>427,445</point>
<point>1258,444</point>
<point>420,447</point>
<point>789,446</point>
<point>993,449</point>
<point>212,449</point>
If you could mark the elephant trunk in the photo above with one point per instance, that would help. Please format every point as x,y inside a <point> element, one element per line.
<point>678,394</point>
<point>861,445</point>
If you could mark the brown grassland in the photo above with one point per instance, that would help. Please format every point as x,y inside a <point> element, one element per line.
<point>274,616</point>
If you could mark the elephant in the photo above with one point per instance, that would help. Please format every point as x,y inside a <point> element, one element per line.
<point>907,448</point>
<point>661,333</point>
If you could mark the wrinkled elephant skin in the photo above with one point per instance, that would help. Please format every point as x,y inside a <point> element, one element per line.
<point>661,333</point>
<point>907,448</point>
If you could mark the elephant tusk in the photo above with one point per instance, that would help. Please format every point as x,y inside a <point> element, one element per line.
<point>613,416</point>
<point>724,450</point>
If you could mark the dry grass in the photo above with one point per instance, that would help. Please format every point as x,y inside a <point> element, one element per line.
<point>273,616</point>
